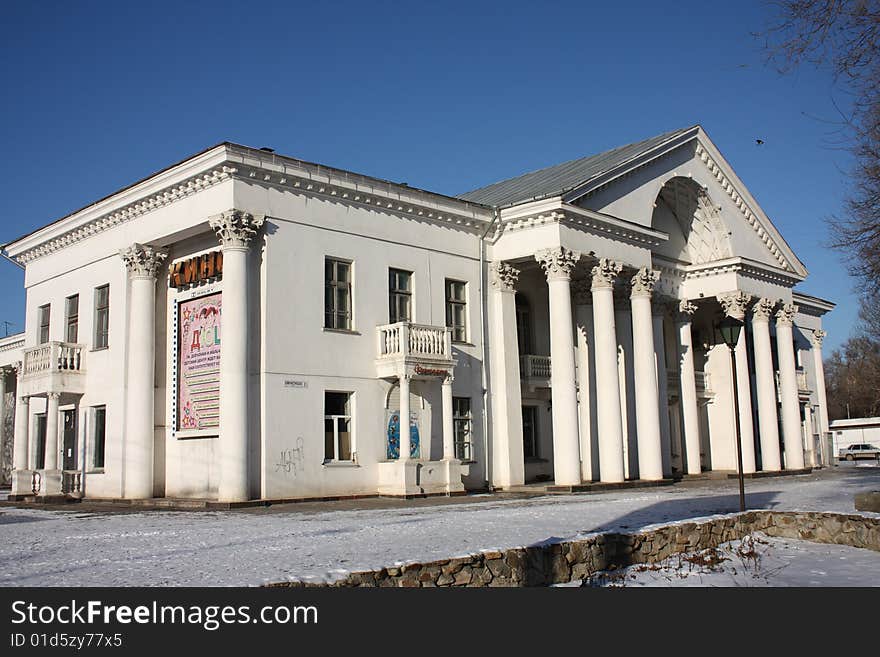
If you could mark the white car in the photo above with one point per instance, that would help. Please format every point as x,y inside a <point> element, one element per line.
<point>859,451</point>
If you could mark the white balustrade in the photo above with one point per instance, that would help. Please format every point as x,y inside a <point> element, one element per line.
<point>418,340</point>
<point>53,357</point>
<point>532,366</point>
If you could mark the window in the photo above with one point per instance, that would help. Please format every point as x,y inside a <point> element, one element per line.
<point>40,456</point>
<point>43,336</point>
<point>523,325</point>
<point>399,296</point>
<point>99,436</point>
<point>530,431</point>
<point>461,420</point>
<point>102,316</point>
<point>337,294</point>
<point>456,309</point>
<point>337,426</point>
<point>71,333</point>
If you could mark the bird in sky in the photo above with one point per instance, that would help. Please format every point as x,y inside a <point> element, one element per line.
<point>759,142</point>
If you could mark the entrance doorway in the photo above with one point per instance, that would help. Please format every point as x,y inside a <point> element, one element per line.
<point>69,440</point>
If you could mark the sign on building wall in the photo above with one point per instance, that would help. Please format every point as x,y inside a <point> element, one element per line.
<point>198,365</point>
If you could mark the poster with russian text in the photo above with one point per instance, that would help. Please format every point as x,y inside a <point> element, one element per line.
<point>198,365</point>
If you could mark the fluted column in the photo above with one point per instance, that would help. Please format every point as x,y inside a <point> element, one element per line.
<point>236,230</point>
<point>765,385</point>
<point>735,305</point>
<point>508,467</point>
<point>659,308</point>
<point>788,389</point>
<point>558,264</point>
<point>609,423</point>
<point>689,410</point>
<point>583,316</point>
<point>448,418</point>
<point>818,366</point>
<point>405,451</point>
<point>51,461</point>
<point>143,264</point>
<point>645,374</point>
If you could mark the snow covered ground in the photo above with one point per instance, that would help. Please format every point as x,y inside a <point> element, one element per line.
<point>255,546</point>
<point>756,561</point>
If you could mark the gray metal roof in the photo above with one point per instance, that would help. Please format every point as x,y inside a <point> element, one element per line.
<point>564,177</point>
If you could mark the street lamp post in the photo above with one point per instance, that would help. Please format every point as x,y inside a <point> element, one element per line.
<point>730,328</point>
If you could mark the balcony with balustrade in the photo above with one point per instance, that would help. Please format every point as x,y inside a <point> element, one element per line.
<point>534,371</point>
<point>419,349</point>
<point>53,367</point>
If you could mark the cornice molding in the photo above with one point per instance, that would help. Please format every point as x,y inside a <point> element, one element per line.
<point>738,265</point>
<point>735,195</point>
<point>160,199</point>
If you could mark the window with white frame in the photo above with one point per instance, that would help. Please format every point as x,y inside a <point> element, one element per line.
<point>71,331</point>
<point>337,294</point>
<point>337,426</point>
<point>462,424</point>
<point>456,309</point>
<point>43,335</point>
<point>399,296</point>
<point>99,435</point>
<point>102,316</point>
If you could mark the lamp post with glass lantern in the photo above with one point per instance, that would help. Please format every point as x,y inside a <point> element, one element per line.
<point>730,328</point>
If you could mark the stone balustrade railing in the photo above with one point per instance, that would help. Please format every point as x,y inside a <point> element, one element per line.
<point>53,357</point>
<point>532,366</point>
<point>405,339</point>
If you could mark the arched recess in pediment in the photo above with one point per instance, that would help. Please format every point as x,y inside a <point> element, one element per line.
<point>705,236</point>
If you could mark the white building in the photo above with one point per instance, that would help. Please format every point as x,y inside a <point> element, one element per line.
<point>557,326</point>
<point>857,430</point>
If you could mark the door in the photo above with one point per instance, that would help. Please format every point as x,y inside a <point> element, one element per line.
<point>69,441</point>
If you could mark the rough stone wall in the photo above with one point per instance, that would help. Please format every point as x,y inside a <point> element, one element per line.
<point>555,563</point>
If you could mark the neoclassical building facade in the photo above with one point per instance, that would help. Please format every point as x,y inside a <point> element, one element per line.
<point>244,325</point>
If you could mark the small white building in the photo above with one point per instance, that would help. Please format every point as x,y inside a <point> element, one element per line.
<point>244,325</point>
<point>857,430</point>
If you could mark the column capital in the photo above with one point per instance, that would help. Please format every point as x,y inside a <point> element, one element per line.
<point>817,338</point>
<point>763,309</point>
<point>235,228</point>
<point>643,282</point>
<point>503,277</point>
<point>24,399</point>
<point>735,303</point>
<point>17,367</point>
<point>785,315</point>
<point>447,379</point>
<point>604,273</point>
<point>558,262</point>
<point>142,261</point>
<point>53,396</point>
<point>686,311</point>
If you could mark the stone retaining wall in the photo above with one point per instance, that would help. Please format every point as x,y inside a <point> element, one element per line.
<point>555,563</point>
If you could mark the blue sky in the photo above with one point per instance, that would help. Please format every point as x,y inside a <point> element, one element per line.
<point>444,96</point>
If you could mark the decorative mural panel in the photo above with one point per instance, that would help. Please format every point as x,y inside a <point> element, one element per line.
<point>393,445</point>
<point>198,366</point>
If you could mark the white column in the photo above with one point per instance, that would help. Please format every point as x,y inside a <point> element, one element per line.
<point>819,368</point>
<point>765,383</point>
<point>608,391</point>
<point>659,308</point>
<point>583,315</point>
<point>51,462</point>
<point>689,409</point>
<point>3,412</point>
<point>235,230</point>
<point>788,389</point>
<point>143,264</point>
<point>448,422</point>
<point>645,374</point>
<point>21,439</point>
<point>735,305</point>
<point>405,435</point>
<point>558,264</point>
<point>508,467</point>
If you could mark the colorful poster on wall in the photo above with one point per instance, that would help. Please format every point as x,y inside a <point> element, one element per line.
<point>393,445</point>
<point>198,364</point>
